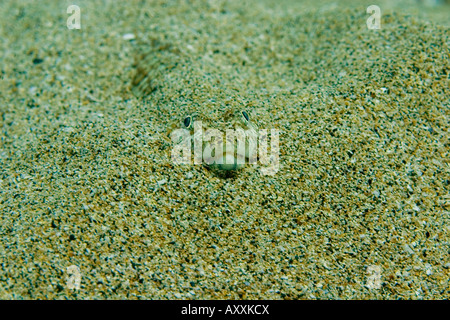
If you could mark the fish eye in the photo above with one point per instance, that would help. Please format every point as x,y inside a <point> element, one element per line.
<point>187,121</point>
<point>245,115</point>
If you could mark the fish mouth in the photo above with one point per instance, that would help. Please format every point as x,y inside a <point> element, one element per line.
<point>229,153</point>
<point>227,161</point>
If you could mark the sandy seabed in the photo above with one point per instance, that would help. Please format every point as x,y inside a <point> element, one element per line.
<point>359,208</point>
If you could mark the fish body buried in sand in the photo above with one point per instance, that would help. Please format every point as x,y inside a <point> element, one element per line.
<point>201,100</point>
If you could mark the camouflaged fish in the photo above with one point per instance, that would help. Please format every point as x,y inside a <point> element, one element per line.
<point>202,87</point>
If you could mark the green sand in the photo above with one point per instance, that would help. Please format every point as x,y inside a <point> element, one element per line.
<point>86,177</point>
